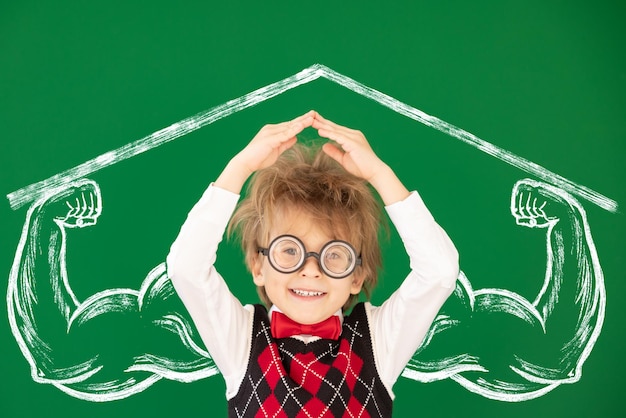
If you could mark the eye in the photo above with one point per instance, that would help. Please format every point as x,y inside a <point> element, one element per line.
<point>290,251</point>
<point>287,251</point>
<point>334,255</point>
<point>338,255</point>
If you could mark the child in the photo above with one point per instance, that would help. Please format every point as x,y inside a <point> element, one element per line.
<point>309,229</point>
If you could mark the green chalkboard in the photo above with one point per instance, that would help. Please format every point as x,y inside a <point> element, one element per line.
<point>489,110</point>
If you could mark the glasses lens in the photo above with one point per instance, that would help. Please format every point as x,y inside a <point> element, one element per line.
<point>338,259</point>
<point>286,254</point>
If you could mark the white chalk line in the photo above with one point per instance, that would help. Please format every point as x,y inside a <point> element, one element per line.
<point>537,380</point>
<point>29,193</point>
<point>471,139</point>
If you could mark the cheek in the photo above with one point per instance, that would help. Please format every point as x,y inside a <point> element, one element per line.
<point>274,290</point>
<point>267,278</point>
<point>343,288</point>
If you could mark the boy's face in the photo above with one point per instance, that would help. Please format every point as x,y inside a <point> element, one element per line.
<point>307,295</point>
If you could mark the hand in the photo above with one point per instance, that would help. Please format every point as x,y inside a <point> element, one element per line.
<point>356,156</point>
<point>271,141</point>
<point>76,206</point>
<point>263,151</point>
<point>352,151</point>
<point>537,205</point>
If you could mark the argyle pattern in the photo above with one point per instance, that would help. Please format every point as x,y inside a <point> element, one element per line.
<point>324,378</point>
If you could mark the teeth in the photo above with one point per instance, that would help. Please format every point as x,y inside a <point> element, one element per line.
<point>306,293</point>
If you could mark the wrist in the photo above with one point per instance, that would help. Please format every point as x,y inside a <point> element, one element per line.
<point>381,176</point>
<point>233,176</point>
<point>389,186</point>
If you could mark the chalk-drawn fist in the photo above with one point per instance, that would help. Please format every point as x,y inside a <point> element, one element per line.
<point>535,204</point>
<point>76,206</point>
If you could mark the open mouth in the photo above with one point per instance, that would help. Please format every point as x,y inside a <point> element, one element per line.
<point>307,293</point>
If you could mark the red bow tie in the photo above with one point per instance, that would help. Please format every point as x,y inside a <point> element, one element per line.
<point>284,327</point>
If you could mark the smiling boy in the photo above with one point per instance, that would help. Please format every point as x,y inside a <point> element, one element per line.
<point>309,228</point>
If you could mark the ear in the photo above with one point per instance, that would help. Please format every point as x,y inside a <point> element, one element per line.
<point>357,283</point>
<point>257,271</point>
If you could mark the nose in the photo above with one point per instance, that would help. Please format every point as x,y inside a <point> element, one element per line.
<point>311,267</point>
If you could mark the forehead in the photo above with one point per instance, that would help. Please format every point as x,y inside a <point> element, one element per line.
<point>306,225</point>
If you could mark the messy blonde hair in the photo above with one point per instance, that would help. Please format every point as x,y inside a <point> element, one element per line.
<point>306,179</point>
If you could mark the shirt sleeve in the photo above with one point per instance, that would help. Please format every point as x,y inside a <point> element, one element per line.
<point>219,317</point>
<point>401,322</point>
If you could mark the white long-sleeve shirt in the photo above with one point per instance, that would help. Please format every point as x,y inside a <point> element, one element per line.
<point>397,327</point>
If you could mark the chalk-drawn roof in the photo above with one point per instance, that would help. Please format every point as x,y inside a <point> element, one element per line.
<point>29,193</point>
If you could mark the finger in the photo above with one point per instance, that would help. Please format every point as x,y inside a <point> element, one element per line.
<point>92,205</point>
<point>336,131</point>
<point>340,138</point>
<point>522,205</point>
<point>275,135</point>
<point>323,122</point>
<point>328,127</point>
<point>540,210</point>
<point>84,207</point>
<point>309,114</point>
<point>333,152</point>
<point>306,119</point>
<point>294,128</point>
<point>296,125</point>
<point>320,122</point>
<point>286,145</point>
<point>76,207</point>
<point>321,118</point>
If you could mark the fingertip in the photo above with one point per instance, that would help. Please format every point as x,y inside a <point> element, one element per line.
<point>326,148</point>
<point>326,133</point>
<point>331,150</point>
<point>287,144</point>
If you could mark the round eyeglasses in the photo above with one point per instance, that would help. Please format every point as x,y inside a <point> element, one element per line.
<point>287,254</point>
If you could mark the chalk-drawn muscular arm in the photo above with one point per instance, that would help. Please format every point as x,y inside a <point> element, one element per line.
<point>504,346</point>
<point>111,345</point>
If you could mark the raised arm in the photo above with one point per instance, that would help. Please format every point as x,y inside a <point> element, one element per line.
<point>401,323</point>
<point>220,318</point>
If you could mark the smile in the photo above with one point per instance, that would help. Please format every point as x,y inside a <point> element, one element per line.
<point>306,293</point>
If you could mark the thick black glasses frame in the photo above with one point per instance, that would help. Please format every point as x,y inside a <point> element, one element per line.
<point>355,263</point>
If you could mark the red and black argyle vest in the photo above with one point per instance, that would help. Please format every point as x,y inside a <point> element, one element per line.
<point>324,378</point>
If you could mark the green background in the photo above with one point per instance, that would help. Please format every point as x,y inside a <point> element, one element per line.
<point>544,80</point>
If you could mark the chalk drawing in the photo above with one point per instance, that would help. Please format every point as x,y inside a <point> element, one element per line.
<point>61,350</point>
<point>572,295</point>
<point>52,327</point>
<point>29,193</point>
